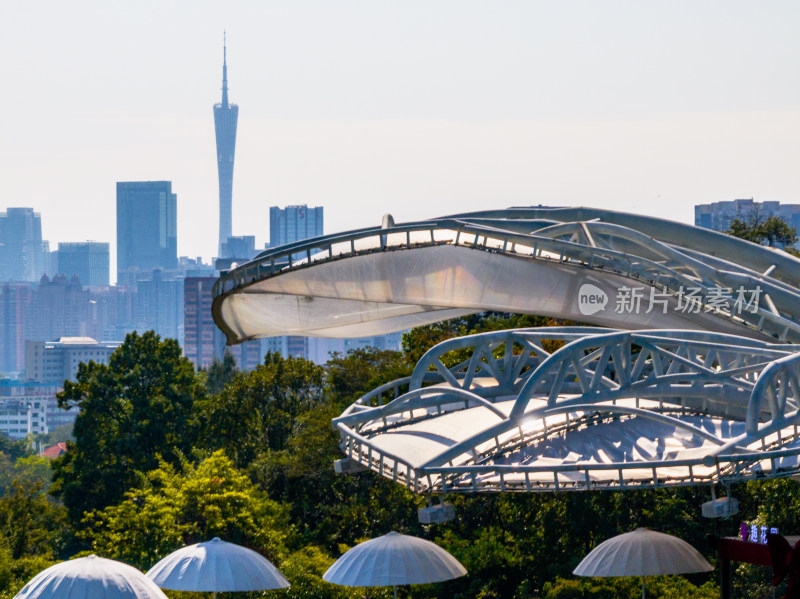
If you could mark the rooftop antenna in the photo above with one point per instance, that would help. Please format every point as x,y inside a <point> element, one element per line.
<point>224,69</point>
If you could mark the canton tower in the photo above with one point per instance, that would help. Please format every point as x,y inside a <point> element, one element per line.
<point>225,117</point>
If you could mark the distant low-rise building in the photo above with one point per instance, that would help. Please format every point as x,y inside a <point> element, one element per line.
<point>21,418</point>
<point>53,362</point>
<point>54,451</point>
<point>30,408</point>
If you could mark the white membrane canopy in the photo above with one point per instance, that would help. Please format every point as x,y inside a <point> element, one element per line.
<point>392,560</point>
<point>90,577</point>
<point>642,552</point>
<point>216,566</point>
<point>596,266</point>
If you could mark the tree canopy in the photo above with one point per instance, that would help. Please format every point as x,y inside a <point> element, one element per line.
<point>772,231</point>
<point>173,506</point>
<point>258,410</point>
<point>140,406</point>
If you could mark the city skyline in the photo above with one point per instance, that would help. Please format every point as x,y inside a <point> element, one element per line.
<point>419,111</point>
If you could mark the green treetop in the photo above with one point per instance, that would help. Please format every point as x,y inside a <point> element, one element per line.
<point>141,404</point>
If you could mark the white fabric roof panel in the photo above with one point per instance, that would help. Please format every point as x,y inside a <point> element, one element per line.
<point>532,260</point>
<point>392,291</point>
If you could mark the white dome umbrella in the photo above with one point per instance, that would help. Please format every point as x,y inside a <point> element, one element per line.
<point>90,577</point>
<point>216,567</point>
<point>391,560</point>
<point>642,553</point>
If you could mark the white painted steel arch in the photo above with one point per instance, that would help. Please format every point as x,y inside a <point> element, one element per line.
<point>696,383</point>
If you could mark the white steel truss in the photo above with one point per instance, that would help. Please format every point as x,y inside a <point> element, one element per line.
<point>516,395</point>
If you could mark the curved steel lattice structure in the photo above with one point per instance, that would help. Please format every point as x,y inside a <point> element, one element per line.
<point>697,381</point>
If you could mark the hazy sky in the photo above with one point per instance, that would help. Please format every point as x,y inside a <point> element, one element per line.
<point>417,108</point>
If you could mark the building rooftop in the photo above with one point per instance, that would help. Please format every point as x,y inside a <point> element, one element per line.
<point>55,451</point>
<point>77,341</point>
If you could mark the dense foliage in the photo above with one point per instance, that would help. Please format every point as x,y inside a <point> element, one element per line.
<point>772,231</point>
<point>164,456</point>
<point>140,406</point>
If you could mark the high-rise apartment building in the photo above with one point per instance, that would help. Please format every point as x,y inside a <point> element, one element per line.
<point>22,251</point>
<point>111,311</point>
<point>158,305</point>
<point>293,223</point>
<point>60,308</point>
<point>16,301</point>
<point>719,215</point>
<point>202,340</point>
<point>239,248</point>
<point>226,116</point>
<point>194,267</point>
<point>87,259</point>
<point>146,227</point>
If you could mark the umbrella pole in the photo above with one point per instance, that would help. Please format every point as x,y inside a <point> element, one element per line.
<point>395,591</point>
<point>643,587</point>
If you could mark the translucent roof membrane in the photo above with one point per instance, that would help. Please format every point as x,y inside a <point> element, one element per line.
<point>650,273</point>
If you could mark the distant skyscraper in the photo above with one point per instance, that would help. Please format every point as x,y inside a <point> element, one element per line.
<point>226,116</point>
<point>111,312</point>
<point>87,259</point>
<point>22,251</point>
<point>293,223</point>
<point>146,227</point>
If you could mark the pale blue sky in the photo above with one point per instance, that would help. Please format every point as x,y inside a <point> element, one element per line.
<point>418,108</point>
